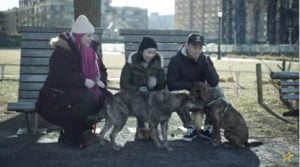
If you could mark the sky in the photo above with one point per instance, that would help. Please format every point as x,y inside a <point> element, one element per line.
<point>8,4</point>
<point>163,7</point>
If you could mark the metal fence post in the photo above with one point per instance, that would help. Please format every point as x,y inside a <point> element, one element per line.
<point>259,84</point>
<point>2,67</point>
<point>237,78</point>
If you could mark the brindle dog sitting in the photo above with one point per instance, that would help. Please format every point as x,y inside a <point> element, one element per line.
<point>154,107</point>
<point>223,115</point>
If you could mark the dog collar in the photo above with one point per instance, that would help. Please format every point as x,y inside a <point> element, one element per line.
<point>214,101</point>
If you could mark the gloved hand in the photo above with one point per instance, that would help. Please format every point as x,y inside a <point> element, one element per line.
<point>152,82</point>
<point>100,84</point>
<point>143,89</point>
<point>89,83</point>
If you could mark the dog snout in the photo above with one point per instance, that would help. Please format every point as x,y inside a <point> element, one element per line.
<point>194,106</point>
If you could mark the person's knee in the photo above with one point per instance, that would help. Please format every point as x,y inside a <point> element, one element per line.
<point>217,92</point>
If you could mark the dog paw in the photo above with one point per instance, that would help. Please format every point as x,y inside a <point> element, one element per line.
<point>170,149</point>
<point>116,147</point>
<point>103,142</point>
<point>159,146</point>
<point>216,143</point>
<point>228,145</point>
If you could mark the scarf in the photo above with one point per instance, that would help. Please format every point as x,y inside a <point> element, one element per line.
<point>89,64</point>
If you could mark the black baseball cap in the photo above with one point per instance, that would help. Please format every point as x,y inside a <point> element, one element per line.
<point>195,39</point>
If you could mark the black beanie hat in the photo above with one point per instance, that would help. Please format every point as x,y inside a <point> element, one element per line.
<point>147,42</point>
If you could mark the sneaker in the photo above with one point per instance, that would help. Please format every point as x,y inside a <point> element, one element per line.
<point>206,134</point>
<point>190,135</point>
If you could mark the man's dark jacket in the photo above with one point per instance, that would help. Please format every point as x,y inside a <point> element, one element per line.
<point>184,72</point>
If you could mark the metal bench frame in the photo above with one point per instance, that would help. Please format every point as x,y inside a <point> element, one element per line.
<point>289,86</point>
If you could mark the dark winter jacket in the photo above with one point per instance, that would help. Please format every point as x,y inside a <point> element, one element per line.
<point>183,71</point>
<point>134,75</point>
<point>64,87</point>
<point>65,65</point>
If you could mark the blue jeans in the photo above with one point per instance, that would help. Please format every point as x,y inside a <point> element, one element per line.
<point>140,124</point>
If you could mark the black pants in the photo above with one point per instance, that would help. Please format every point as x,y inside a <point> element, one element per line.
<point>69,109</point>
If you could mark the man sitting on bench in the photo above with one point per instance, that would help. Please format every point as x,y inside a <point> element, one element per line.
<point>188,67</point>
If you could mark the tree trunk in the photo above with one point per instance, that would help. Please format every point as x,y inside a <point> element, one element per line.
<point>257,10</point>
<point>256,25</point>
<point>227,22</point>
<point>240,21</point>
<point>271,26</point>
<point>90,8</point>
<point>283,21</point>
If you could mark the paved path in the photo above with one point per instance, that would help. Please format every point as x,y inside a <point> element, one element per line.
<point>43,150</point>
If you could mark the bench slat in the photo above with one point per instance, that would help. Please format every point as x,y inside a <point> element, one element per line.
<point>30,86</point>
<point>155,32</point>
<point>43,29</point>
<point>52,29</point>
<point>290,97</point>
<point>29,94</point>
<point>21,106</point>
<point>160,47</point>
<point>41,36</point>
<point>32,78</point>
<point>165,54</point>
<point>35,70</point>
<point>27,100</point>
<point>289,90</point>
<point>289,83</point>
<point>284,75</point>
<point>36,45</point>
<point>44,36</point>
<point>35,61</point>
<point>157,38</point>
<point>36,52</point>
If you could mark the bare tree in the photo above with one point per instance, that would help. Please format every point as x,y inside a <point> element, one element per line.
<point>90,8</point>
<point>240,21</point>
<point>227,21</point>
<point>259,6</point>
<point>271,33</point>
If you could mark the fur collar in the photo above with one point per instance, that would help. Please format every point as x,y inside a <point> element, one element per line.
<point>59,42</point>
<point>161,58</point>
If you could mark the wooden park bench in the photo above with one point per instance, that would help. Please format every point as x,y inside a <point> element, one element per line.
<point>289,89</point>
<point>168,41</point>
<point>35,54</point>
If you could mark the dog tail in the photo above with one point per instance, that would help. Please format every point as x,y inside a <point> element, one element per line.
<point>104,109</point>
<point>254,144</point>
<point>97,117</point>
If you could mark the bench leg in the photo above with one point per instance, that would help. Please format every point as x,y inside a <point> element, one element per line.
<point>27,122</point>
<point>31,122</point>
<point>36,119</point>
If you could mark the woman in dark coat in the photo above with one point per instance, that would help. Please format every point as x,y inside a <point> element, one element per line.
<point>143,71</point>
<point>75,85</point>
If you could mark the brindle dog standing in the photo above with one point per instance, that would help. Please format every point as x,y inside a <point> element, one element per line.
<point>154,107</point>
<point>223,115</point>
